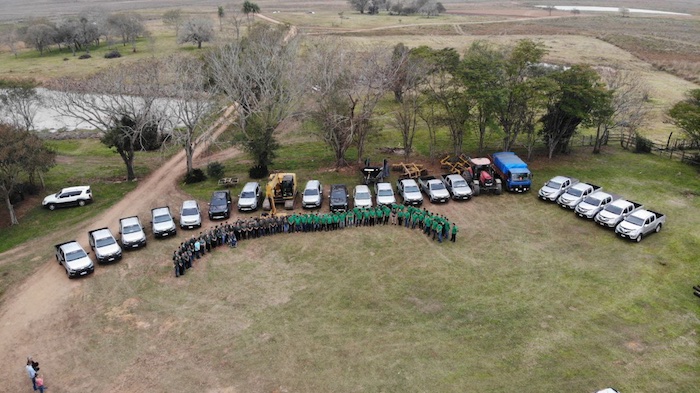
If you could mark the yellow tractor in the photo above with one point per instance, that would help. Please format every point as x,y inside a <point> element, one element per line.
<point>281,188</point>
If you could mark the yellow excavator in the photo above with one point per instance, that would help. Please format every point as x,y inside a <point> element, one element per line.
<point>281,188</point>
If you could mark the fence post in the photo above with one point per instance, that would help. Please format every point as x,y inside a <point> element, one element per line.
<point>668,142</point>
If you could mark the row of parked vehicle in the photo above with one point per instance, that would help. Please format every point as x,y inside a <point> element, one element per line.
<point>77,262</point>
<point>630,219</point>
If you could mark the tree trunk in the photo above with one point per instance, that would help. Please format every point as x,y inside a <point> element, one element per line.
<point>199,44</point>
<point>598,140</point>
<point>189,150</point>
<point>10,209</point>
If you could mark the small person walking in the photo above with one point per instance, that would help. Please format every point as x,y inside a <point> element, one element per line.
<point>31,371</point>
<point>40,384</point>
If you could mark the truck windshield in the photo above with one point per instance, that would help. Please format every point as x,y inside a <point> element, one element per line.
<point>614,209</point>
<point>385,192</point>
<point>190,212</point>
<point>519,176</point>
<point>362,195</point>
<point>459,184</point>
<point>592,201</point>
<point>247,194</point>
<point>77,254</point>
<point>575,192</point>
<point>553,184</point>
<point>437,186</point>
<point>105,241</point>
<point>635,220</point>
<point>410,189</point>
<point>311,192</point>
<point>162,218</point>
<point>131,229</point>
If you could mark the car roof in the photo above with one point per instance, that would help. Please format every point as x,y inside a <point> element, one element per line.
<point>220,193</point>
<point>129,220</point>
<point>621,202</point>
<point>600,194</point>
<point>75,188</point>
<point>361,187</point>
<point>312,184</point>
<point>101,233</point>
<point>409,181</point>
<point>384,186</point>
<point>581,186</point>
<point>250,185</point>
<point>560,179</point>
<point>338,186</point>
<point>71,246</point>
<point>643,214</point>
<point>190,203</point>
<point>162,209</point>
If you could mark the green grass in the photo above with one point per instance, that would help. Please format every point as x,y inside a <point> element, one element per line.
<point>530,299</point>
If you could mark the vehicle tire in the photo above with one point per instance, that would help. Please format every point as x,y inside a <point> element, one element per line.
<point>476,189</point>
<point>639,238</point>
<point>81,203</point>
<point>499,189</point>
<point>52,207</point>
<point>658,228</point>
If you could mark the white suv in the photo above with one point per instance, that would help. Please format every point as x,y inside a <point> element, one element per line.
<point>313,195</point>
<point>361,196</point>
<point>190,216</point>
<point>162,221</point>
<point>385,194</point>
<point>71,196</point>
<point>249,197</point>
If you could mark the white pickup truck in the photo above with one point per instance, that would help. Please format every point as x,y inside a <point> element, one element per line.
<point>592,204</point>
<point>131,231</point>
<point>434,188</point>
<point>74,259</point>
<point>639,224</point>
<point>555,187</point>
<point>615,212</point>
<point>575,194</point>
<point>457,186</point>
<point>105,245</point>
<point>409,191</point>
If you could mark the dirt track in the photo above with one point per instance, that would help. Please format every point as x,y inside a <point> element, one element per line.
<point>48,292</point>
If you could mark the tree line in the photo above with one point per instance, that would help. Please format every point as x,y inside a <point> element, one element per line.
<point>398,7</point>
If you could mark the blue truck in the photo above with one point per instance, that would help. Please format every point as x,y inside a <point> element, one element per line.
<point>512,170</point>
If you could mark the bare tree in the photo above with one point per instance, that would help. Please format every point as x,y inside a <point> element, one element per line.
<point>129,26</point>
<point>40,36</point>
<point>628,104</point>
<point>10,38</point>
<point>411,73</point>
<point>263,76</point>
<point>196,31</point>
<point>550,8</point>
<point>624,12</point>
<point>173,18</point>
<point>20,103</point>
<point>190,100</point>
<point>348,85</point>
<point>235,18</point>
<point>123,102</point>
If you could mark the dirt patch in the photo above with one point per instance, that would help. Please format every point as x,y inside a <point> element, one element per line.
<point>635,346</point>
<point>426,306</point>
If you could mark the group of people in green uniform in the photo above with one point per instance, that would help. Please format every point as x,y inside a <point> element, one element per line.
<point>433,225</point>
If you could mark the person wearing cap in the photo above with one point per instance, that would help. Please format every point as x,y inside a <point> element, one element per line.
<point>31,372</point>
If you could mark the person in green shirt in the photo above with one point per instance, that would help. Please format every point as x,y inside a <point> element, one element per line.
<point>439,231</point>
<point>454,232</point>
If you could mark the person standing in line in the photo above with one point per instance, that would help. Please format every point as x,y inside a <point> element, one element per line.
<point>40,384</point>
<point>31,372</point>
<point>454,232</point>
<point>197,248</point>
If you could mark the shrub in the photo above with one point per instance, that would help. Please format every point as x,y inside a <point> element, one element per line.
<point>642,144</point>
<point>196,175</point>
<point>215,170</point>
<point>113,54</point>
<point>85,56</point>
<point>258,172</point>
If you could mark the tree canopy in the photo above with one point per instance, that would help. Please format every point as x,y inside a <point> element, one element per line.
<point>686,115</point>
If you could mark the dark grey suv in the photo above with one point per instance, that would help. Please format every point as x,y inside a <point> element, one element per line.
<point>220,205</point>
<point>339,198</point>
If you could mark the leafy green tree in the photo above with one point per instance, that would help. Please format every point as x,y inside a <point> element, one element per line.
<point>21,153</point>
<point>571,104</point>
<point>359,5</point>
<point>250,8</point>
<point>686,115</point>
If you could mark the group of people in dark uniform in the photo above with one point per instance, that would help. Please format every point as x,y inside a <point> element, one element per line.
<point>436,226</point>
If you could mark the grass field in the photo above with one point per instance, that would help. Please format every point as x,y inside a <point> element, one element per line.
<point>529,291</point>
<point>529,299</point>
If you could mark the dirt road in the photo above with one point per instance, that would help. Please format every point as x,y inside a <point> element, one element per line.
<point>48,291</point>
